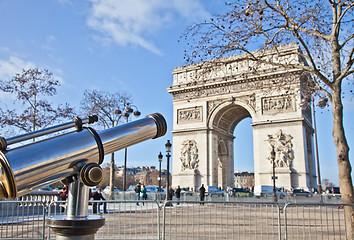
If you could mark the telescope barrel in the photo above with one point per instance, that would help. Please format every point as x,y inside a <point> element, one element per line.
<point>32,166</point>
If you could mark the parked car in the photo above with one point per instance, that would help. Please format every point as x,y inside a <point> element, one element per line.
<point>240,192</point>
<point>46,189</point>
<point>131,188</point>
<point>115,189</point>
<point>267,191</point>
<point>186,191</point>
<point>213,191</point>
<point>153,188</point>
<point>300,192</point>
<point>333,192</point>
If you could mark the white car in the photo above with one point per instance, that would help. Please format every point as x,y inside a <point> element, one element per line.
<point>115,189</point>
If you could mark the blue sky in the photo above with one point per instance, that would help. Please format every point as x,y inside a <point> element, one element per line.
<point>129,46</point>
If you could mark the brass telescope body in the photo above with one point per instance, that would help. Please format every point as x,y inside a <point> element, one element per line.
<point>29,167</point>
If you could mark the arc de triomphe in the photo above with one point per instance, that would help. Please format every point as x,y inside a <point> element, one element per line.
<point>207,109</point>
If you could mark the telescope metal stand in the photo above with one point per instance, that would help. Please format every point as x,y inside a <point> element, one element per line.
<point>77,224</point>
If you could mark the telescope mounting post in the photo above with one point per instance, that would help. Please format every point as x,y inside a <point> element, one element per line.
<point>77,224</point>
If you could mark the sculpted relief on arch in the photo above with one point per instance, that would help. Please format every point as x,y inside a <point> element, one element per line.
<point>283,149</point>
<point>186,115</point>
<point>189,155</point>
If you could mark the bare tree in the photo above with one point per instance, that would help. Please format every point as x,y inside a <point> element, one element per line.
<point>31,89</point>
<point>326,183</point>
<point>110,108</point>
<point>323,32</point>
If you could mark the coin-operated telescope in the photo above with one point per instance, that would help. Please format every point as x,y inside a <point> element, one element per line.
<point>73,158</point>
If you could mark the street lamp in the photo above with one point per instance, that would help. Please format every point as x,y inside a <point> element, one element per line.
<point>272,156</point>
<point>168,150</point>
<point>126,114</point>
<point>322,103</point>
<point>160,160</point>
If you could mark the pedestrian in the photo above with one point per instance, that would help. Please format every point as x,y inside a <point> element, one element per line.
<point>63,196</point>
<point>170,193</point>
<point>202,194</point>
<point>178,194</point>
<point>98,196</point>
<point>144,194</point>
<point>137,191</point>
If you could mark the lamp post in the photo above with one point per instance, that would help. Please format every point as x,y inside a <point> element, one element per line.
<point>126,114</point>
<point>160,160</point>
<point>322,103</point>
<point>272,156</point>
<point>168,150</point>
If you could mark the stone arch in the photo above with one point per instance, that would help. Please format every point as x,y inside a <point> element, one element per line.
<point>219,112</point>
<point>208,108</point>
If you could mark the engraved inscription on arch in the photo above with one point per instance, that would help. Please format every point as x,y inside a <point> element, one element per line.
<point>194,114</point>
<point>278,104</point>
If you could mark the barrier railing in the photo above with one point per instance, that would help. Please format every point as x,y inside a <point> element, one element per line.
<point>130,219</point>
<point>125,219</point>
<point>22,220</point>
<point>221,220</point>
<point>314,221</point>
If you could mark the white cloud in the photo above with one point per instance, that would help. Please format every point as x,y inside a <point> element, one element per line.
<point>8,68</point>
<point>129,22</point>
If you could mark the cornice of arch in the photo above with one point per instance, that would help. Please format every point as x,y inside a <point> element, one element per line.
<point>231,84</point>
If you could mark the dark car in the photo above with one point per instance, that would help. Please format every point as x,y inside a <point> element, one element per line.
<point>300,192</point>
<point>333,192</point>
<point>240,192</point>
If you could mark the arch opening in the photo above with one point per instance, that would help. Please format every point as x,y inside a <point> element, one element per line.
<point>226,120</point>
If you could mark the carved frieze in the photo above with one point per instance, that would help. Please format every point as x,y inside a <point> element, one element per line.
<point>194,114</point>
<point>283,148</point>
<point>189,155</point>
<point>235,86</point>
<point>278,104</point>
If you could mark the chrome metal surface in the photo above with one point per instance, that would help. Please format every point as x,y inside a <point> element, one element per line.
<point>117,138</point>
<point>48,130</point>
<point>77,200</point>
<point>44,162</point>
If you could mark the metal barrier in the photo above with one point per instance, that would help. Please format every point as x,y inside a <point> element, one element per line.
<point>22,220</point>
<point>125,219</point>
<point>220,220</point>
<point>315,221</point>
<point>184,220</point>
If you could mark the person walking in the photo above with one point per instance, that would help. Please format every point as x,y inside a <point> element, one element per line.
<point>137,191</point>
<point>202,194</point>
<point>144,194</point>
<point>178,194</point>
<point>170,193</point>
<point>98,196</point>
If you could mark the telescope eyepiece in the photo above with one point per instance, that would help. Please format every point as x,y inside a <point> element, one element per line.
<point>91,174</point>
